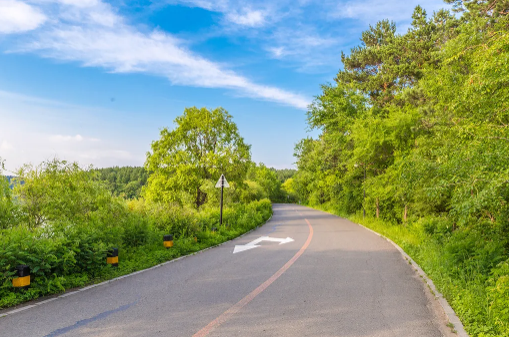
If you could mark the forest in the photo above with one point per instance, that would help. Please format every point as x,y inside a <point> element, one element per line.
<point>62,219</point>
<point>128,181</point>
<point>414,143</point>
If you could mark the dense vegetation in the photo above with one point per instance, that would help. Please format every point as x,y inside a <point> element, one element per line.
<point>284,174</point>
<point>61,219</point>
<point>128,182</point>
<point>419,122</point>
<point>124,181</point>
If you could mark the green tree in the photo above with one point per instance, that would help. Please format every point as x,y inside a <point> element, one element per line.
<point>124,181</point>
<point>284,174</point>
<point>9,212</point>
<point>267,180</point>
<point>61,191</point>
<point>480,8</point>
<point>204,144</point>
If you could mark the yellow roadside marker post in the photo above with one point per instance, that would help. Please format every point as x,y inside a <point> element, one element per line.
<point>168,240</point>
<point>112,257</point>
<point>23,279</point>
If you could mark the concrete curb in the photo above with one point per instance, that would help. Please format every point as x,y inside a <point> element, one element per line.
<point>26,307</point>
<point>451,315</point>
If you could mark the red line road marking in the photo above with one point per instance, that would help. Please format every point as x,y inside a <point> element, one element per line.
<point>243,302</point>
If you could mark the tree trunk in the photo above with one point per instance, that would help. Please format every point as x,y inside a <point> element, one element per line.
<point>405,213</point>
<point>201,197</point>
<point>377,208</point>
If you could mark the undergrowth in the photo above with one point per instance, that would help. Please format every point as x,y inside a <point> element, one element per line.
<point>64,255</point>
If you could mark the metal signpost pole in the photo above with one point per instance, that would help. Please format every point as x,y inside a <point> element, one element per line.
<point>222,183</point>
<point>221,212</point>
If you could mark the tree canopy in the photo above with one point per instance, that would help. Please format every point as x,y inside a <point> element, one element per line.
<point>424,113</point>
<point>124,181</point>
<point>186,162</point>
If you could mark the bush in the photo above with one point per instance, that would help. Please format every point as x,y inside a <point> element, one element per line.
<point>63,254</point>
<point>498,296</point>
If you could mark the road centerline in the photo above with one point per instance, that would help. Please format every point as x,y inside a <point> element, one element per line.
<point>243,302</point>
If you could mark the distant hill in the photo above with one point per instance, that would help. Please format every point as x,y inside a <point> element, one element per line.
<point>124,181</point>
<point>284,174</point>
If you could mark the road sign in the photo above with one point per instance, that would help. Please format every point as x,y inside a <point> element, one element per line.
<point>222,182</point>
<point>254,243</point>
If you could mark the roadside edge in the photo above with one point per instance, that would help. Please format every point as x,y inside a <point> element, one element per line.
<point>448,310</point>
<point>70,293</point>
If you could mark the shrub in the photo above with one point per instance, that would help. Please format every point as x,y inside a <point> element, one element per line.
<point>63,254</point>
<point>498,296</point>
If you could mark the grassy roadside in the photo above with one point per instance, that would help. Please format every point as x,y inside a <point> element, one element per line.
<point>62,267</point>
<point>467,267</point>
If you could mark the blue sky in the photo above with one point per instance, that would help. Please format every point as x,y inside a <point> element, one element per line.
<point>94,81</point>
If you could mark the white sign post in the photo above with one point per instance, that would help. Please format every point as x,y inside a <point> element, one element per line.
<point>222,183</point>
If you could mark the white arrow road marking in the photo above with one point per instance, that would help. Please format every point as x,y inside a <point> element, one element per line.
<point>254,243</point>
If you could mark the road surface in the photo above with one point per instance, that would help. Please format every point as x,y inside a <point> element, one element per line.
<point>334,279</point>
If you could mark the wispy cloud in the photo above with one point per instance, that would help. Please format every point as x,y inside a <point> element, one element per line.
<point>69,138</point>
<point>371,11</point>
<point>304,45</point>
<point>92,33</point>
<point>248,17</point>
<point>309,34</point>
<point>17,16</point>
<point>241,13</point>
<point>54,129</point>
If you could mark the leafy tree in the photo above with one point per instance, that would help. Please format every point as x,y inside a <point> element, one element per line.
<point>267,180</point>
<point>425,115</point>
<point>288,188</point>
<point>124,181</point>
<point>284,174</point>
<point>204,145</point>
<point>61,191</point>
<point>480,8</point>
<point>9,212</point>
<point>387,63</point>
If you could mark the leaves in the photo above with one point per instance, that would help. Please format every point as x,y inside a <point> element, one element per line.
<point>204,145</point>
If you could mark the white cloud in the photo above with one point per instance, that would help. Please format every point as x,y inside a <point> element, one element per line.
<point>277,52</point>
<point>371,11</point>
<point>310,34</point>
<point>80,3</point>
<point>55,129</point>
<point>96,36</point>
<point>251,18</point>
<point>68,138</point>
<point>241,13</point>
<point>306,47</point>
<point>17,16</point>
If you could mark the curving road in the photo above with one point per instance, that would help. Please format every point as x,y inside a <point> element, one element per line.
<point>334,279</point>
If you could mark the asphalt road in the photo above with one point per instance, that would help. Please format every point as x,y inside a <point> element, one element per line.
<point>335,279</point>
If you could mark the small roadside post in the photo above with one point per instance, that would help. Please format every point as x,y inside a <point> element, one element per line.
<point>222,183</point>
